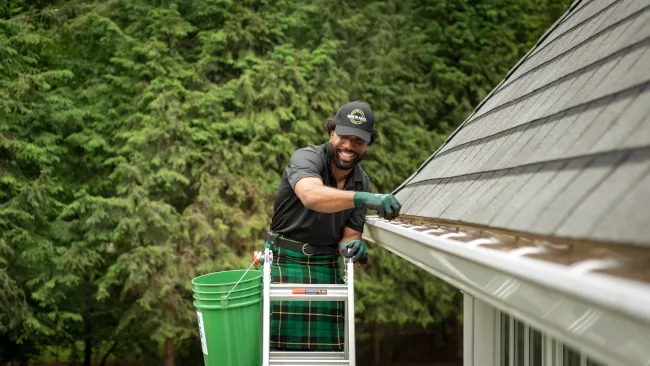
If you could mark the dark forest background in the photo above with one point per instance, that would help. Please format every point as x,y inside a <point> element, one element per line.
<point>142,142</point>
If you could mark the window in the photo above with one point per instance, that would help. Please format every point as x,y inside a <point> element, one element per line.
<point>522,345</point>
<point>571,357</point>
<point>521,338</point>
<point>536,349</point>
<point>505,339</point>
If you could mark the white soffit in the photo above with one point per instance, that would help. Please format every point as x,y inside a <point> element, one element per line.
<point>605,317</point>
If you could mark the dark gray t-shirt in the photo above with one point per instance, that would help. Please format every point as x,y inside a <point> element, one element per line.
<point>293,220</point>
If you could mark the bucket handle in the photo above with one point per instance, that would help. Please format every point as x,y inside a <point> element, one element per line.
<point>256,259</point>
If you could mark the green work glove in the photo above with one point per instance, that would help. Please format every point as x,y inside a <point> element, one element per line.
<point>355,249</point>
<point>386,205</point>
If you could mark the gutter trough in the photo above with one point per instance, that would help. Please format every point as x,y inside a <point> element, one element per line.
<point>604,316</point>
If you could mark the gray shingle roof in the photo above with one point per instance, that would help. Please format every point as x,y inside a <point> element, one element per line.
<point>562,146</point>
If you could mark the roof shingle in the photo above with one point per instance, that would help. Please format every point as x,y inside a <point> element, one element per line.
<point>562,146</point>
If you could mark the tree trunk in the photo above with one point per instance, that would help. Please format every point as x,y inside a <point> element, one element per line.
<point>377,339</point>
<point>88,351</point>
<point>88,341</point>
<point>389,346</point>
<point>169,352</point>
<point>110,350</point>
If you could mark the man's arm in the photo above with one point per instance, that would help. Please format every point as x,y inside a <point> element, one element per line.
<point>315,196</point>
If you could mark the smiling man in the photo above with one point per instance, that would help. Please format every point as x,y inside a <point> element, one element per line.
<point>320,209</point>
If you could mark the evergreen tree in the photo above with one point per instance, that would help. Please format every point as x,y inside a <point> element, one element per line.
<point>142,143</point>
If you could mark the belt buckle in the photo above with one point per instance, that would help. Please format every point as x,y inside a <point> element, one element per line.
<point>305,253</point>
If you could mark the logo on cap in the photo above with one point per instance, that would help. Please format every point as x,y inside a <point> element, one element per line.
<point>357,117</point>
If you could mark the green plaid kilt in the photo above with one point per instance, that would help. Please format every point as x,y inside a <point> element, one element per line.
<point>306,325</point>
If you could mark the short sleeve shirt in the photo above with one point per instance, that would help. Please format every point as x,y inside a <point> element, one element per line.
<point>293,220</point>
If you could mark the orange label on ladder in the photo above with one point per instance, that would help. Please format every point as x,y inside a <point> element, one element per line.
<point>302,291</point>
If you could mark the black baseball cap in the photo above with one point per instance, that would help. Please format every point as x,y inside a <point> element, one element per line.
<point>355,119</point>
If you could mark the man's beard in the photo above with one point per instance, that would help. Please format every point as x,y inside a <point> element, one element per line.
<point>344,165</point>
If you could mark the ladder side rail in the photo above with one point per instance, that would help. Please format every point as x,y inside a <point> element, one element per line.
<point>346,337</point>
<point>266,323</point>
<point>350,345</point>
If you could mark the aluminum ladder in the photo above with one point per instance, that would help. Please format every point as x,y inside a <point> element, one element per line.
<point>307,292</point>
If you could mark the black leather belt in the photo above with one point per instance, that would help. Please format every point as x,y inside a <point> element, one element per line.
<point>306,249</point>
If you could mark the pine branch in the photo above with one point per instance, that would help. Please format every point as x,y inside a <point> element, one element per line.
<point>50,11</point>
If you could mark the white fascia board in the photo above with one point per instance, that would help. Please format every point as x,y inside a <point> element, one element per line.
<point>605,317</point>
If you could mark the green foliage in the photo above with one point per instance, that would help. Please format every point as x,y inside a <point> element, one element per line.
<point>142,142</point>
<point>392,291</point>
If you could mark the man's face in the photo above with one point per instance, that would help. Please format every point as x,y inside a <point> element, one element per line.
<point>348,150</point>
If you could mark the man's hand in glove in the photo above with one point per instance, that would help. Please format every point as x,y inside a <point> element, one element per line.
<point>355,249</point>
<point>386,205</point>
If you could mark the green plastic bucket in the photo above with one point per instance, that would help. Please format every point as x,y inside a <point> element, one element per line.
<point>222,282</point>
<point>230,330</point>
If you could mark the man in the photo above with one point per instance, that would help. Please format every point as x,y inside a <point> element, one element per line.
<point>319,210</point>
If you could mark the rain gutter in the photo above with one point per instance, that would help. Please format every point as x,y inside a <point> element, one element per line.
<point>604,316</point>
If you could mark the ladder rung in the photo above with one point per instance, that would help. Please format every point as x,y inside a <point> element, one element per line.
<point>302,292</point>
<point>308,358</point>
<point>326,355</point>
<point>308,362</point>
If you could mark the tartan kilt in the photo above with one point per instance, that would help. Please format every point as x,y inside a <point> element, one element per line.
<point>306,325</point>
